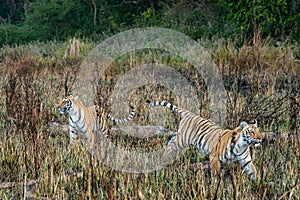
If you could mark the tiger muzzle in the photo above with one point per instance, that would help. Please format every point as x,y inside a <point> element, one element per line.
<point>61,110</point>
<point>257,142</point>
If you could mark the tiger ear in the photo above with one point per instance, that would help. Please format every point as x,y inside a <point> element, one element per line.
<point>254,122</point>
<point>243,125</point>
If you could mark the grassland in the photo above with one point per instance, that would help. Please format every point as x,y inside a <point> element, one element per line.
<point>262,81</point>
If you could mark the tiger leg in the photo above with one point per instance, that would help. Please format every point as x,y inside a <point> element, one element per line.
<point>249,167</point>
<point>73,134</point>
<point>173,149</point>
<point>215,167</point>
<point>90,138</point>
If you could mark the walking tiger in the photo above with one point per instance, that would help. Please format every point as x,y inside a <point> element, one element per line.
<point>87,120</point>
<point>222,146</point>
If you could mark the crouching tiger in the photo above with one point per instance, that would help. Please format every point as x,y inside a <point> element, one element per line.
<point>222,146</point>
<point>87,120</point>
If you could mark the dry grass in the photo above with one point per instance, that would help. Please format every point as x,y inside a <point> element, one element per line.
<point>262,81</point>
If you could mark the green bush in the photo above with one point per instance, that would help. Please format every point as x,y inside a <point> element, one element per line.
<point>46,20</point>
<point>11,34</point>
<point>59,19</point>
<point>273,18</point>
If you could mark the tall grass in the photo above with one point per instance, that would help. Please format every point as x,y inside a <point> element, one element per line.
<point>261,81</point>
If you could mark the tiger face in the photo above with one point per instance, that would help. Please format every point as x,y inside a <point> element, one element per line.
<point>66,104</point>
<point>251,134</point>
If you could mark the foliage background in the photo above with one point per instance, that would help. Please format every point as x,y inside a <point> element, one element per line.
<point>22,21</point>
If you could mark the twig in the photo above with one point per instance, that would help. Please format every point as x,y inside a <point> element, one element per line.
<point>147,131</point>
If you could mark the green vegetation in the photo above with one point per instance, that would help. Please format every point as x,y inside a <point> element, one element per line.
<point>24,21</point>
<point>274,18</point>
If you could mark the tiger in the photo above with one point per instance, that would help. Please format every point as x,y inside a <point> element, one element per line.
<point>221,146</point>
<point>87,120</point>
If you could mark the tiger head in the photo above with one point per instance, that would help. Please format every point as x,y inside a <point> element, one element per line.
<point>67,103</point>
<point>251,134</point>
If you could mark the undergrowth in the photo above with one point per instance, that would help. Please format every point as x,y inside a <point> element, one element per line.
<point>261,82</point>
